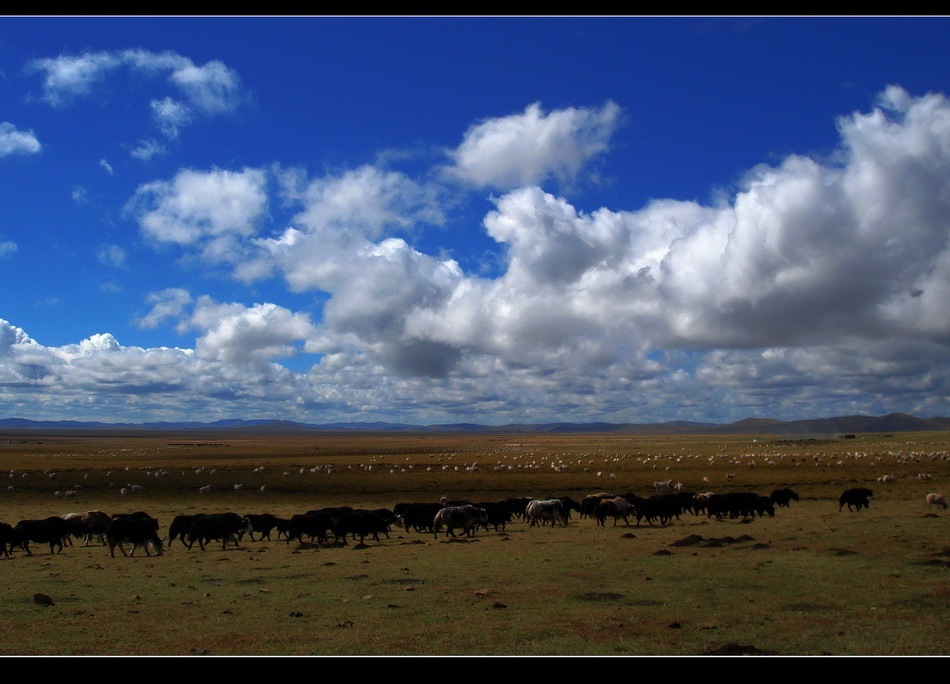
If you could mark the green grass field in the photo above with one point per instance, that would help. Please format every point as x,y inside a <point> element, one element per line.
<point>809,581</point>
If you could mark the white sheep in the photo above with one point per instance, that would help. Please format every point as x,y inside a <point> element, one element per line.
<point>936,499</point>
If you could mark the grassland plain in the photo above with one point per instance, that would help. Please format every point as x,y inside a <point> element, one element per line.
<point>810,580</point>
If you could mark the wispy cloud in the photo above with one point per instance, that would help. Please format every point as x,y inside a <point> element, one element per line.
<point>167,304</point>
<point>145,150</point>
<point>67,77</point>
<point>112,256</point>
<point>170,116</point>
<point>208,90</point>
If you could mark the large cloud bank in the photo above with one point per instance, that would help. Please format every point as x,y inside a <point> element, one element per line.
<point>821,286</point>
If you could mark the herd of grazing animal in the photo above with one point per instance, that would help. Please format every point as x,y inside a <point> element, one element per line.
<point>138,529</point>
<point>142,531</point>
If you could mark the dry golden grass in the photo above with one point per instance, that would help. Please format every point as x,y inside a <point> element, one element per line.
<point>809,581</point>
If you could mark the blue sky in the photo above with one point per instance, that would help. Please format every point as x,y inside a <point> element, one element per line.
<point>474,219</point>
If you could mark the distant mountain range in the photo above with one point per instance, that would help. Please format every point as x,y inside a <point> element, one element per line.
<point>892,422</point>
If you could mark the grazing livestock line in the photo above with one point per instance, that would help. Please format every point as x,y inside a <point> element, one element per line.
<point>360,523</point>
<point>313,524</point>
<point>659,506</point>
<point>426,518</point>
<point>262,524</point>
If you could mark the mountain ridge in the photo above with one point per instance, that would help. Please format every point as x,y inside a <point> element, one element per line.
<point>891,422</point>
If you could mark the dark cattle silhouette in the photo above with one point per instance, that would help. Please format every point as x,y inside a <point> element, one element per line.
<point>179,529</point>
<point>223,526</point>
<point>782,497</point>
<point>50,531</point>
<point>136,531</point>
<point>858,498</point>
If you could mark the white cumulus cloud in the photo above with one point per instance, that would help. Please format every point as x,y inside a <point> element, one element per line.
<point>531,147</point>
<point>807,252</point>
<point>241,335</point>
<point>202,208</point>
<point>14,141</point>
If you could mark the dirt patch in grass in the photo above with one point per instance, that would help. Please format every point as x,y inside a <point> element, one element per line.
<point>697,540</point>
<point>719,543</point>
<point>691,540</point>
<point>735,649</point>
<point>600,597</point>
<point>807,607</point>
